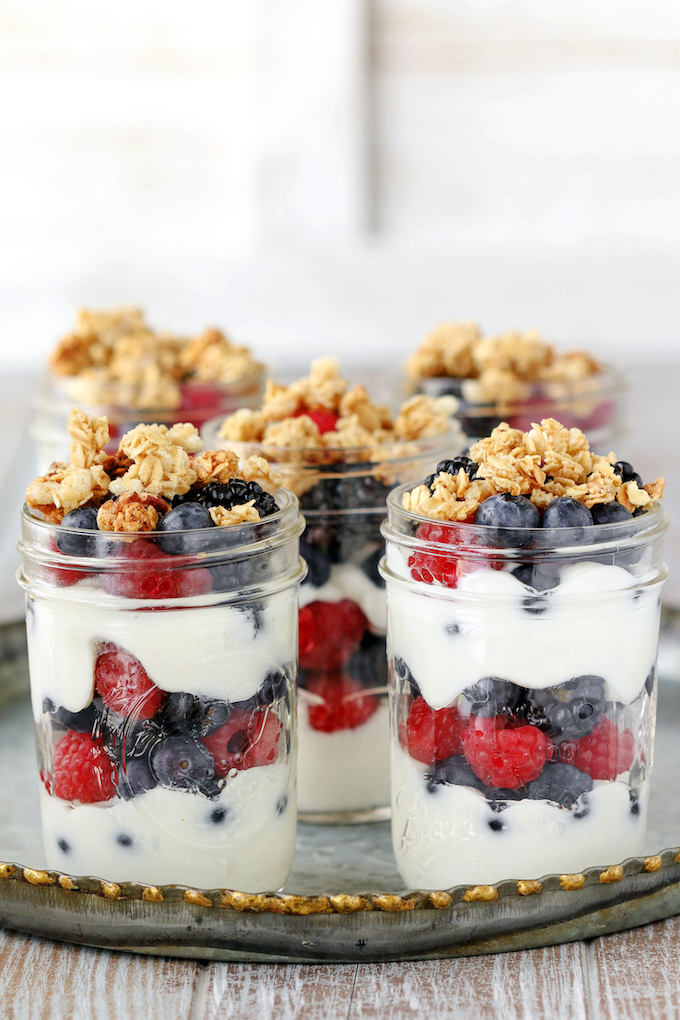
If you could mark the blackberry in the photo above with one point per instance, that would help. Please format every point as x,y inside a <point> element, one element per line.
<point>454,771</point>
<point>361,492</point>
<point>561,784</point>
<point>627,472</point>
<point>569,711</point>
<point>492,696</point>
<point>370,567</point>
<point>84,519</point>
<point>452,467</point>
<point>320,497</point>
<point>610,513</point>
<point>236,492</point>
<point>508,517</point>
<point>318,563</point>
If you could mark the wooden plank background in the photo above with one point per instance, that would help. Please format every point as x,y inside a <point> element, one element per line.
<point>629,976</point>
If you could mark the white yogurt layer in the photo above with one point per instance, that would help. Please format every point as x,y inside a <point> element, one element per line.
<point>348,770</point>
<point>348,581</point>
<point>244,839</point>
<point>596,622</point>
<point>443,839</point>
<point>215,651</point>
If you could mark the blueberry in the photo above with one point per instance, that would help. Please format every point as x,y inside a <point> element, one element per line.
<point>571,710</point>
<point>610,513</point>
<point>318,564</point>
<point>404,674</point>
<point>135,778</point>
<point>370,567</point>
<point>84,519</point>
<point>180,763</point>
<point>492,696</point>
<point>627,472</point>
<point>507,518</point>
<point>649,682</point>
<point>185,518</point>
<point>273,688</point>
<point>453,771</point>
<point>368,665</point>
<point>452,467</point>
<point>218,815</point>
<point>539,576</point>
<point>237,574</point>
<point>188,714</point>
<point>429,481</point>
<point>498,798</point>
<point>496,824</point>
<point>564,512</point>
<point>124,840</point>
<point>561,784</point>
<point>85,721</point>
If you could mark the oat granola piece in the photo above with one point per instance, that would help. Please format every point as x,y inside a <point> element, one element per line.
<point>108,326</point>
<point>73,354</point>
<point>161,463</point>
<point>132,512</point>
<point>446,351</point>
<point>215,466</point>
<point>90,435</point>
<point>423,417</point>
<point>212,357</point>
<point>66,488</point>
<point>257,469</point>
<point>244,426</point>
<point>117,464</point>
<point>573,366</point>
<point>348,434</point>
<point>239,514</point>
<point>524,354</point>
<point>631,496</point>
<point>299,432</point>
<point>655,488</point>
<point>357,403</point>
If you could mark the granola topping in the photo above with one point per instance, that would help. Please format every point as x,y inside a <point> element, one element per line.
<point>115,358</point>
<point>546,462</point>
<point>500,369</point>
<point>133,488</point>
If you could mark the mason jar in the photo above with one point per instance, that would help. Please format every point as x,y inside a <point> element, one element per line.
<point>343,715</point>
<point>199,401</point>
<point>163,670</point>
<point>523,694</point>
<point>595,404</point>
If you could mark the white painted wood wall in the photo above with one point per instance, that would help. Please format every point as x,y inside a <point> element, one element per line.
<point>340,175</point>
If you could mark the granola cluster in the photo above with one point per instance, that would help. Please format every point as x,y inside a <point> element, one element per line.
<point>115,358</point>
<point>287,416</point>
<point>546,462</point>
<point>499,369</point>
<point>134,488</point>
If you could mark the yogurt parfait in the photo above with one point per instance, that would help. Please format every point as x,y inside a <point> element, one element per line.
<point>341,454</point>
<point>523,589</point>
<point>517,377</point>
<point>161,586</point>
<point>114,363</point>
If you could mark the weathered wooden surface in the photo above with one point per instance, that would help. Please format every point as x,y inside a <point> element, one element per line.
<point>629,976</point>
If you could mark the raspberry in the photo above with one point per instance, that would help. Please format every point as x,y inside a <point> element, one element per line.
<point>246,739</point>
<point>151,575</point>
<point>61,576</point>
<point>325,421</point>
<point>606,752</point>
<point>444,567</point>
<point>346,704</point>
<point>199,397</point>
<point>330,633</point>
<point>502,757</point>
<point>82,769</point>
<point>123,684</point>
<point>433,734</point>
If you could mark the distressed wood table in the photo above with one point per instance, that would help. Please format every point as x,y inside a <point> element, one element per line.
<point>632,975</point>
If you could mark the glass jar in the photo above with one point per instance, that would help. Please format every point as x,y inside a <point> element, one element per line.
<point>200,401</point>
<point>163,670</point>
<point>343,716</point>
<point>594,404</point>
<point>523,694</point>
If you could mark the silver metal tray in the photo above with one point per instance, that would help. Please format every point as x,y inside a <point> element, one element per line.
<point>344,901</point>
